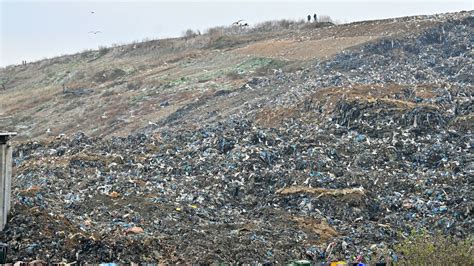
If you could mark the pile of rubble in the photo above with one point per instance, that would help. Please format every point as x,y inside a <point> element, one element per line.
<point>350,174</point>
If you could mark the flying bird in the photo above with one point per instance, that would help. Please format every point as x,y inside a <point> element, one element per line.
<point>237,22</point>
<point>95,32</point>
<point>92,12</point>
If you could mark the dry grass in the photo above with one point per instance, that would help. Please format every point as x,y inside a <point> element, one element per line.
<point>17,100</point>
<point>385,93</point>
<point>399,103</point>
<point>263,27</point>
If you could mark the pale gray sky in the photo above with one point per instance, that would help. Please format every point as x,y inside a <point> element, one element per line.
<point>32,30</point>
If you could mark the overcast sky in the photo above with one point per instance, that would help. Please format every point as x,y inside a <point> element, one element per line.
<point>32,30</point>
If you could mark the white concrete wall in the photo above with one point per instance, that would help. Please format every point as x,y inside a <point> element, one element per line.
<point>5,183</point>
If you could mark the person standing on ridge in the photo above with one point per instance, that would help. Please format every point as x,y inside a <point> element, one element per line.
<point>309,18</point>
<point>315,18</point>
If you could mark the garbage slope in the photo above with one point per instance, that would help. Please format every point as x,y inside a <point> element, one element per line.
<point>357,150</point>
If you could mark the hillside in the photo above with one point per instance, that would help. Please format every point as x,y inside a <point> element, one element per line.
<point>124,88</point>
<point>239,146</point>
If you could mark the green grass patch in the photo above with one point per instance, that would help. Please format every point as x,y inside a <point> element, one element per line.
<point>260,65</point>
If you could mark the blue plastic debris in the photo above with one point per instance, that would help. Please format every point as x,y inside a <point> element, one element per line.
<point>360,138</point>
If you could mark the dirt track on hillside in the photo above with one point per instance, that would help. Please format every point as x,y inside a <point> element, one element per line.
<point>302,49</point>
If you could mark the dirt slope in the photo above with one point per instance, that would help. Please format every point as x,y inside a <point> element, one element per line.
<point>120,90</point>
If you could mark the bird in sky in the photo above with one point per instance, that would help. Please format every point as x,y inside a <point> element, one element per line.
<point>237,22</point>
<point>95,32</point>
<point>92,12</point>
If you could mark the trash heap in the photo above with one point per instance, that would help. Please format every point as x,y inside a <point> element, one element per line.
<point>440,54</point>
<point>379,145</point>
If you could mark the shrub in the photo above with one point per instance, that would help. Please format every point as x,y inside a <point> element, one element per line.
<point>325,18</point>
<point>275,25</point>
<point>215,31</point>
<point>422,248</point>
<point>316,25</point>
<point>103,50</point>
<point>189,34</point>
<point>86,53</point>
<point>263,27</point>
<point>3,82</point>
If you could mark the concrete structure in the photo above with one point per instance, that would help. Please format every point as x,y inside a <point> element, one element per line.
<point>5,176</point>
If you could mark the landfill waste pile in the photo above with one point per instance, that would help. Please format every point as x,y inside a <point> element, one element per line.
<point>343,159</point>
<point>440,54</point>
